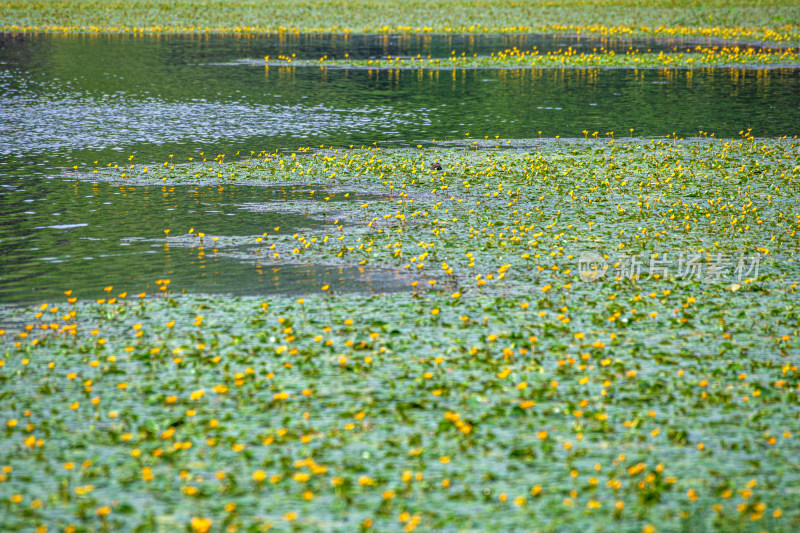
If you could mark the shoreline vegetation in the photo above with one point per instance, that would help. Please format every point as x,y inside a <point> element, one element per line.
<point>519,382</point>
<point>774,21</point>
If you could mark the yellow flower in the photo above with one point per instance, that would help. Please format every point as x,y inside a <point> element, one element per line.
<point>196,395</point>
<point>201,525</point>
<point>103,511</point>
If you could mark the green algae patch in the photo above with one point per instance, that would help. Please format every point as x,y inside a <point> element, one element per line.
<point>773,21</point>
<point>599,334</point>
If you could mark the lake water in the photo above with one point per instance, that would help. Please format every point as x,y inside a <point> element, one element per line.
<point>71,100</point>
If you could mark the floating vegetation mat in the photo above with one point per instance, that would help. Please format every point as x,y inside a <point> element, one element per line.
<point>691,57</point>
<point>599,334</point>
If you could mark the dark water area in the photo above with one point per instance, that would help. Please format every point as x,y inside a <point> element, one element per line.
<point>62,235</point>
<point>73,100</point>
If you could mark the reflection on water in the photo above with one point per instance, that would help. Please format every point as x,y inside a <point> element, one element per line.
<point>68,99</point>
<point>73,100</point>
<point>301,106</point>
<point>43,118</point>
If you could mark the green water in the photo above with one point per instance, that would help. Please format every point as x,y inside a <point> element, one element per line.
<point>61,234</point>
<point>68,101</point>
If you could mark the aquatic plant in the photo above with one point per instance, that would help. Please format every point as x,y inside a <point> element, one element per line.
<point>689,57</point>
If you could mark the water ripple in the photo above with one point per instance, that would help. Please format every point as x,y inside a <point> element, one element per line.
<point>40,120</point>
